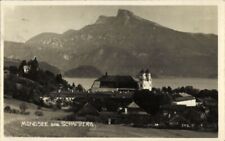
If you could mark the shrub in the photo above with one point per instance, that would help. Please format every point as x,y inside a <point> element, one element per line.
<point>23,107</point>
<point>39,113</point>
<point>15,111</point>
<point>7,109</point>
<point>39,107</point>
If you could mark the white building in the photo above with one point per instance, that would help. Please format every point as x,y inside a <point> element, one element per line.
<point>185,99</point>
<point>26,69</point>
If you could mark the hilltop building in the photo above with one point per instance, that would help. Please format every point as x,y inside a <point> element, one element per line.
<point>26,69</point>
<point>31,65</point>
<point>110,83</point>
<point>145,80</point>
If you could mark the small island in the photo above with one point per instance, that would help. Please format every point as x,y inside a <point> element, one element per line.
<point>83,71</point>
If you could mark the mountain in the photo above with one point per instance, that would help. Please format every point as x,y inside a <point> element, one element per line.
<point>124,44</point>
<point>43,65</point>
<point>83,71</point>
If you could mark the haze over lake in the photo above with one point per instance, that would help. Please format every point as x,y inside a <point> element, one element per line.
<point>199,83</point>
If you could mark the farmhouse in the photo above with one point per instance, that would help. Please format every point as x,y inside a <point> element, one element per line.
<point>185,99</point>
<point>133,108</point>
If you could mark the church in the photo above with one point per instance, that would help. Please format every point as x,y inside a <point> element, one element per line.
<point>122,83</point>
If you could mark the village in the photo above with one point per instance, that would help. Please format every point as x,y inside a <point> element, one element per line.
<point>117,99</point>
<point>171,114</point>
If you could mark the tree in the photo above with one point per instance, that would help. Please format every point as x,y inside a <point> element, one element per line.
<point>7,109</point>
<point>58,103</point>
<point>59,78</point>
<point>13,69</point>
<point>169,89</point>
<point>148,100</point>
<point>165,99</point>
<point>73,85</point>
<point>34,65</point>
<point>34,68</point>
<point>80,88</point>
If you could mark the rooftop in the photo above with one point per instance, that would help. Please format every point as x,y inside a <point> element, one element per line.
<point>117,81</point>
<point>183,97</point>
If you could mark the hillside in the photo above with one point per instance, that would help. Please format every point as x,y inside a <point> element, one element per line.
<point>124,44</point>
<point>12,127</point>
<point>83,71</point>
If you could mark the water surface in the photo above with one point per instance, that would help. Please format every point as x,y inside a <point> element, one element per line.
<point>200,83</point>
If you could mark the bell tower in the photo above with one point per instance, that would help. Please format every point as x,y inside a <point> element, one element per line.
<point>145,80</point>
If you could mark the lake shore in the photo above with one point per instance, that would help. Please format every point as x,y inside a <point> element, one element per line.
<point>199,83</point>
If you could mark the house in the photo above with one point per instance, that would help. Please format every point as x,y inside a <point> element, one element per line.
<point>52,98</point>
<point>133,108</point>
<point>136,116</point>
<point>184,99</point>
<point>87,113</point>
<point>133,113</point>
<point>114,83</point>
<point>178,121</point>
<point>88,109</point>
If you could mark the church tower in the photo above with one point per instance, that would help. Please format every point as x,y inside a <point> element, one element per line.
<point>145,80</point>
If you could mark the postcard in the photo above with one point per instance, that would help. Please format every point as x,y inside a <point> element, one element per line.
<point>114,69</point>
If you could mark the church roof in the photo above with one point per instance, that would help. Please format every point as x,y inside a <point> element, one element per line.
<point>120,81</point>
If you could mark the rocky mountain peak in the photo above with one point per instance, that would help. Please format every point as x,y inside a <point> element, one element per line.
<point>123,16</point>
<point>122,13</point>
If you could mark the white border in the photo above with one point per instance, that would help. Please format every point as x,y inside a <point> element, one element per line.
<point>221,70</point>
<point>221,61</point>
<point>116,2</point>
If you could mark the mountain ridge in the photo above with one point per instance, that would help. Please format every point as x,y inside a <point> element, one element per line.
<point>126,43</point>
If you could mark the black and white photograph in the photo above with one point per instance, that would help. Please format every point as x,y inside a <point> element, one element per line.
<point>110,71</point>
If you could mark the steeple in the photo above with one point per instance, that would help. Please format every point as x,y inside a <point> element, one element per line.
<point>145,80</point>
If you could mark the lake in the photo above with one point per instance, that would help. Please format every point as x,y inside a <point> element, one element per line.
<point>199,83</point>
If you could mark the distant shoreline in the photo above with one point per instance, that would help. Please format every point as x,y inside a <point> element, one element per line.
<point>160,77</point>
<point>173,82</point>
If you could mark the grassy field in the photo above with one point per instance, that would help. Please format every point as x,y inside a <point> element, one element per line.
<point>12,127</point>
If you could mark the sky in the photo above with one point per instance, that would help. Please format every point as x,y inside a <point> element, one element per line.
<point>23,22</point>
